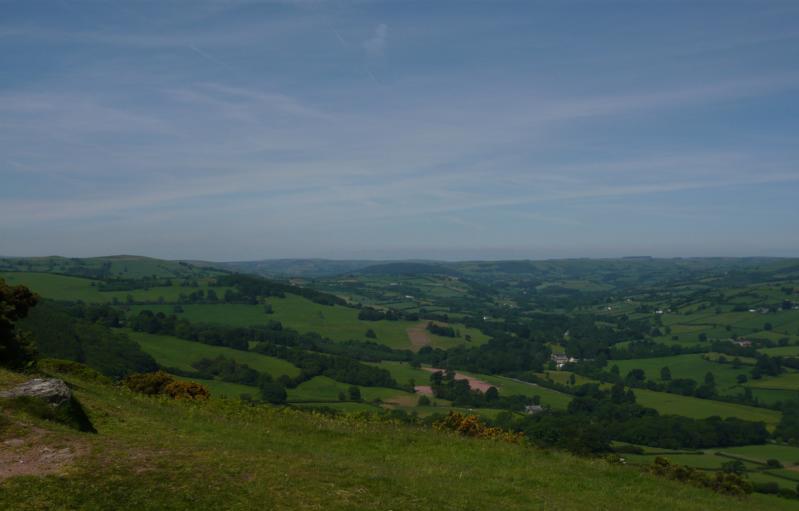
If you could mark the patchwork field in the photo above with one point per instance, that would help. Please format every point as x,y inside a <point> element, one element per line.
<point>336,322</point>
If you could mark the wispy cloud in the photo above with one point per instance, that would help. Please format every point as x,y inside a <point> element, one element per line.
<point>375,46</point>
<point>259,115</point>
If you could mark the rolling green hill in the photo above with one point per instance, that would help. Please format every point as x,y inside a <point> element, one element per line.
<point>155,454</point>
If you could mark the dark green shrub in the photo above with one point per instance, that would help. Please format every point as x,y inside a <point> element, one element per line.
<point>770,488</point>
<point>273,392</point>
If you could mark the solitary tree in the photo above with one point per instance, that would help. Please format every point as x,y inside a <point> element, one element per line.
<point>355,393</point>
<point>733,467</point>
<point>16,350</point>
<point>273,392</point>
<point>665,374</point>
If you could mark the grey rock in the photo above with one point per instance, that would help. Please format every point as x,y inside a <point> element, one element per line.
<point>51,390</point>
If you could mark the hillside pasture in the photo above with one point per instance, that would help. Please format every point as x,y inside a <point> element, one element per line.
<point>785,381</point>
<point>225,389</point>
<point>67,288</point>
<point>335,322</point>
<point>170,351</point>
<point>673,404</point>
<point>691,366</point>
<point>324,389</point>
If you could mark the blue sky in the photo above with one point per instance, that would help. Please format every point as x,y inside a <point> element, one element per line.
<point>232,130</point>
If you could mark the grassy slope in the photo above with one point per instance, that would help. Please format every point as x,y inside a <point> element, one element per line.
<point>152,454</point>
<point>173,352</point>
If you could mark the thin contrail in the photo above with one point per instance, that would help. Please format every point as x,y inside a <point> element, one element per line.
<point>206,55</point>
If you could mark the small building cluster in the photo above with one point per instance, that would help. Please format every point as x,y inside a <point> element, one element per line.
<point>561,360</point>
<point>533,409</point>
<point>743,343</point>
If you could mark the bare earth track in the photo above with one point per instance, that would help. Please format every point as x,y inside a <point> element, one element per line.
<point>474,383</point>
<point>418,336</point>
<point>31,455</point>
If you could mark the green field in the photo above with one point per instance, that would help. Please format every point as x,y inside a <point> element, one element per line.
<point>154,454</point>
<point>226,389</point>
<point>61,287</point>
<point>787,454</point>
<point>673,404</point>
<point>322,388</point>
<point>686,366</point>
<point>509,387</point>
<point>782,351</point>
<point>772,396</point>
<point>785,381</point>
<point>335,322</point>
<point>403,373</point>
<point>704,461</point>
<point>173,352</point>
<point>122,266</point>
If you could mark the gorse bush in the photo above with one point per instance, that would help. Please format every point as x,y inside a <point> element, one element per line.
<point>148,383</point>
<point>728,483</point>
<point>180,389</point>
<point>161,383</point>
<point>470,425</point>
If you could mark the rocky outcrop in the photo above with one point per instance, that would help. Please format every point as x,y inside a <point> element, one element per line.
<point>49,399</point>
<point>51,390</point>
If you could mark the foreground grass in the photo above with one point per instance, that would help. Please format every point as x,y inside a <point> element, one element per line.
<point>153,454</point>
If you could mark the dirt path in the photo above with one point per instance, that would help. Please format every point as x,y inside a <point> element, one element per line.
<point>31,456</point>
<point>423,389</point>
<point>418,336</point>
<point>474,383</point>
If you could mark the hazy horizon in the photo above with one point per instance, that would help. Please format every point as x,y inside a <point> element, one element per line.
<point>409,259</point>
<point>238,130</point>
